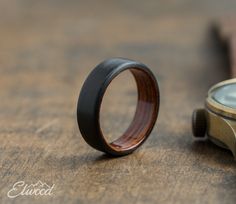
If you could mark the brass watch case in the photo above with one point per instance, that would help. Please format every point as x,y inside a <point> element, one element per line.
<point>221,120</point>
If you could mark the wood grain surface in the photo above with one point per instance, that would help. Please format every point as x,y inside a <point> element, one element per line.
<point>47,48</point>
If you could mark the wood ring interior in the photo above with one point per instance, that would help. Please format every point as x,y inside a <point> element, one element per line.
<point>145,114</point>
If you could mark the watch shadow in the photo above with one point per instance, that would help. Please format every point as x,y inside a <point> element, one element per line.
<point>213,152</point>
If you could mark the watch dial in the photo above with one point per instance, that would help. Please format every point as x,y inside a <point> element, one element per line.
<point>226,95</point>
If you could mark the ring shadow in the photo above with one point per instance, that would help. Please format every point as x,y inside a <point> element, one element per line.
<point>75,161</point>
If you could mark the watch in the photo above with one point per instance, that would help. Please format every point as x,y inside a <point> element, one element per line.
<point>218,119</point>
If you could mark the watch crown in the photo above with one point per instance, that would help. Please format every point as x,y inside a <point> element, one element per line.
<point>199,123</point>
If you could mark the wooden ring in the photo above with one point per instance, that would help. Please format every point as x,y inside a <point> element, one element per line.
<point>90,99</point>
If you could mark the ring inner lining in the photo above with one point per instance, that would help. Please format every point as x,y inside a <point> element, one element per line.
<point>145,113</point>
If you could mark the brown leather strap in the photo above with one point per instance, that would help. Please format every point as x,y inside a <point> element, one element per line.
<point>233,55</point>
<point>227,33</point>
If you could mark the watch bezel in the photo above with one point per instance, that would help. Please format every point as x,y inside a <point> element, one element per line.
<point>217,107</point>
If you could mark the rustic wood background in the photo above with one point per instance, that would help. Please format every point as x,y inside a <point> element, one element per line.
<point>47,48</point>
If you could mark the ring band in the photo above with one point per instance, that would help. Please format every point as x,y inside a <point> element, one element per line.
<point>90,99</point>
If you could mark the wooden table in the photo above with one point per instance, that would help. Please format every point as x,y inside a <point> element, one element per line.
<point>47,48</point>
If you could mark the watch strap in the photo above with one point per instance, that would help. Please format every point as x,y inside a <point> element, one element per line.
<point>226,30</point>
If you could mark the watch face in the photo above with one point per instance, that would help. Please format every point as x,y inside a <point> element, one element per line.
<point>226,95</point>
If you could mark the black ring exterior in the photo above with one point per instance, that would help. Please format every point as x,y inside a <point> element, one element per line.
<point>90,99</point>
